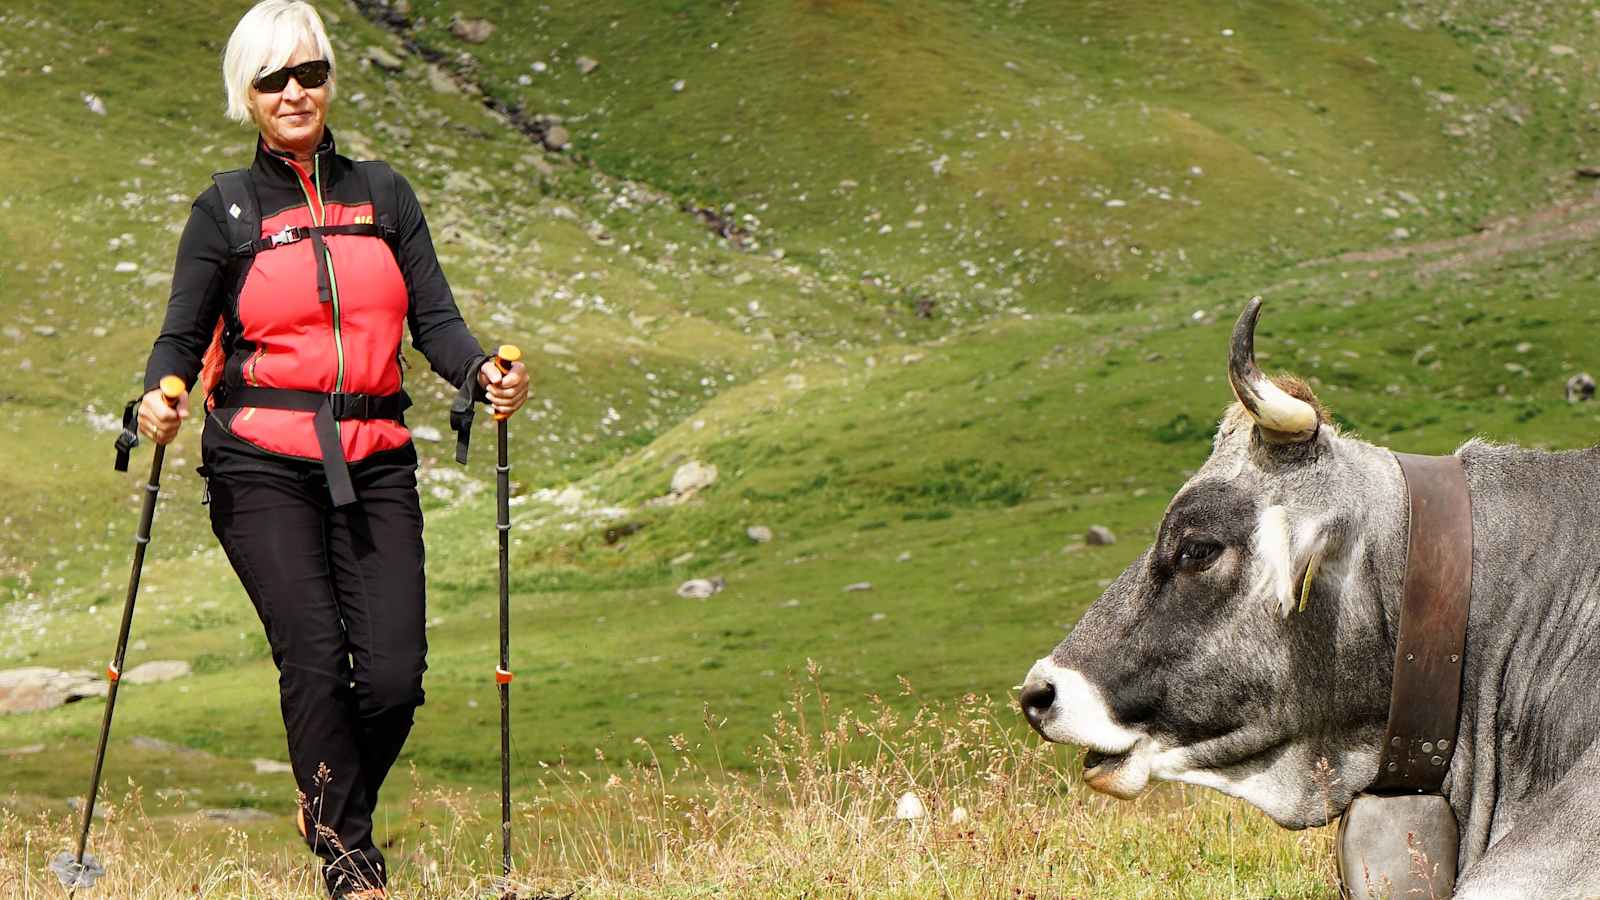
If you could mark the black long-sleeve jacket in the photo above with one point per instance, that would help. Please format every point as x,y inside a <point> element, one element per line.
<point>293,326</point>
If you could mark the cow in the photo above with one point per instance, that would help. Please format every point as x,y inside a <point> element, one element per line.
<point>1251,647</point>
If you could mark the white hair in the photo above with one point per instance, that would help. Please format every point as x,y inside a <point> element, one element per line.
<point>263,42</point>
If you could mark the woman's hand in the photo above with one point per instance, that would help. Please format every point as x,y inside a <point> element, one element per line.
<point>508,390</point>
<point>159,420</point>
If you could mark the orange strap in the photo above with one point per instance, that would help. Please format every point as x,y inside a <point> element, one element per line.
<point>501,676</point>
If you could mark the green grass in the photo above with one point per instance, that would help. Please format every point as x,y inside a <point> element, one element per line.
<point>1066,369</point>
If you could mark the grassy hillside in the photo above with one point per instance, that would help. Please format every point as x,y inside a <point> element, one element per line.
<point>993,253</point>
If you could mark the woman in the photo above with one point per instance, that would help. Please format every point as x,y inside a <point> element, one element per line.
<point>295,332</point>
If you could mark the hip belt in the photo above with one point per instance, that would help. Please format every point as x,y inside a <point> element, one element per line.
<point>328,410</point>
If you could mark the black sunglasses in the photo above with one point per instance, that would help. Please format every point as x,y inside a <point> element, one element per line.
<point>311,74</point>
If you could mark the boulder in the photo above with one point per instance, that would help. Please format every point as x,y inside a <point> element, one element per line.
<point>701,588</point>
<point>555,138</point>
<point>1099,536</point>
<point>1580,387</point>
<point>691,477</point>
<point>239,816</point>
<point>383,59</point>
<point>473,31</point>
<point>157,671</point>
<point>33,689</point>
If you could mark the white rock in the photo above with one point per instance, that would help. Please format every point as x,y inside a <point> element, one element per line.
<point>271,767</point>
<point>692,476</point>
<point>126,266</point>
<point>35,688</point>
<point>858,586</point>
<point>95,104</point>
<point>587,65</point>
<point>678,86</point>
<point>761,534</point>
<point>157,671</point>
<point>958,815</point>
<point>1100,536</point>
<point>701,588</point>
<point>240,815</point>
<point>909,808</point>
<point>426,433</point>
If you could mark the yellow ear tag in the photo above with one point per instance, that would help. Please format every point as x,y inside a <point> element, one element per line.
<point>1311,574</point>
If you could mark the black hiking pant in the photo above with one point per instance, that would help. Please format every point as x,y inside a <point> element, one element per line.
<point>340,591</point>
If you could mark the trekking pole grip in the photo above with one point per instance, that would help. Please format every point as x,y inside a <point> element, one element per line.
<point>507,356</point>
<point>172,389</point>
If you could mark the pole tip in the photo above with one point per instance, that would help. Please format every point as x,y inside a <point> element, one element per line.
<point>172,387</point>
<point>507,355</point>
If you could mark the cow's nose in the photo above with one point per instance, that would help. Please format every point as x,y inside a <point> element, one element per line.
<point>1038,694</point>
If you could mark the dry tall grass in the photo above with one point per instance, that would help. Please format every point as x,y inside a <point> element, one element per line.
<point>815,816</point>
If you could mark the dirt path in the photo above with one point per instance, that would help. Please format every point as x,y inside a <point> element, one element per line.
<point>1565,222</point>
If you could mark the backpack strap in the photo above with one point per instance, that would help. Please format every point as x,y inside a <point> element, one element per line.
<point>240,209</point>
<point>380,187</point>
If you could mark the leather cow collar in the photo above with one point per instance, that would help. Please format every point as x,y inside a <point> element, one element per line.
<point>1425,701</point>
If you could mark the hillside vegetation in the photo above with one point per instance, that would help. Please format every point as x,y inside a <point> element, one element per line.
<point>934,286</point>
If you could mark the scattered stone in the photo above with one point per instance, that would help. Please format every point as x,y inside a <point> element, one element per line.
<point>383,59</point>
<point>157,745</point>
<point>587,65</point>
<point>44,330</point>
<point>24,750</point>
<point>95,104</point>
<point>556,138</point>
<point>238,816</point>
<point>1561,50</point>
<point>878,617</point>
<point>678,86</point>
<point>1580,387</point>
<point>1588,171</point>
<point>35,688</point>
<point>910,808</point>
<point>271,767</point>
<point>761,534</point>
<point>473,31</point>
<point>682,558</point>
<point>1099,536</point>
<point>691,478</point>
<point>426,433</point>
<point>126,266</point>
<point>905,556</point>
<point>858,586</point>
<point>76,805</point>
<point>701,588</point>
<point>958,815</point>
<point>157,671</point>
<point>441,82</point>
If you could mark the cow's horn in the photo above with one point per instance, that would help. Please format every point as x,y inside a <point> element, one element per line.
<point>1282,418</point>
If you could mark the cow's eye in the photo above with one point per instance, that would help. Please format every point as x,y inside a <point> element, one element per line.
<point>1196,555</point>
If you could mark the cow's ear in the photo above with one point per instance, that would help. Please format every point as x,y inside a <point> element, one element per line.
<point>1291,556</point>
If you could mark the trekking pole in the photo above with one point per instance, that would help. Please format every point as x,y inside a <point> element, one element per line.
<point>83,869</point>
<point>507,356</point>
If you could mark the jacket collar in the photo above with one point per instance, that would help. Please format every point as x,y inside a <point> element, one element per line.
<point>280,162</point>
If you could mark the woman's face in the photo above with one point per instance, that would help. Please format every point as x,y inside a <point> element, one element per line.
<point>292,119</point>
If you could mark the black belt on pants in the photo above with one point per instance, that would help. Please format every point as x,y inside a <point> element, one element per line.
<point>329,409</point>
